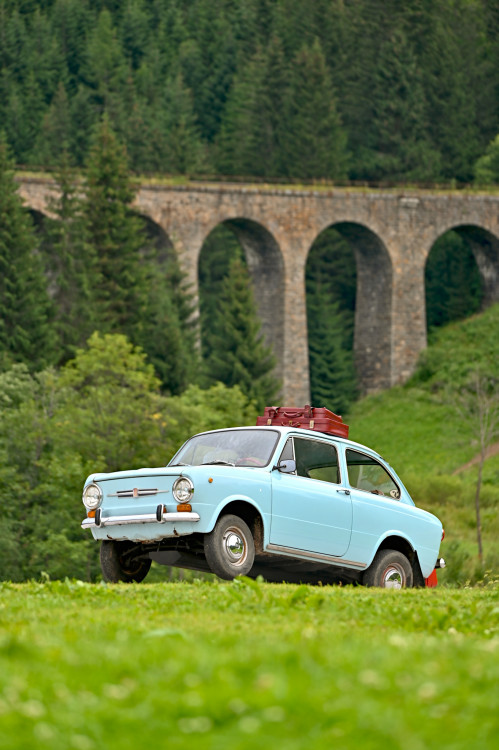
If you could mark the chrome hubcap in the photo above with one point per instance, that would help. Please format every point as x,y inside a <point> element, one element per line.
<point>393,577</point>
<point>234,546</point>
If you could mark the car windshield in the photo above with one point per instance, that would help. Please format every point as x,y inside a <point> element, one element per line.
<point>232,447</point>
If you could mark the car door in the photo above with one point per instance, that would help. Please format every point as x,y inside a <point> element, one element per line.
<point>311,509</point>
<point>376,501</point>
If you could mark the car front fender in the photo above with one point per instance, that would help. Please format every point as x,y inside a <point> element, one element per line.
<point>231,503</point>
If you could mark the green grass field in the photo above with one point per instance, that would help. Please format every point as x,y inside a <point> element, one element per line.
<point>247,665</point>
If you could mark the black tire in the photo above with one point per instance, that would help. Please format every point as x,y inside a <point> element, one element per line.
<point>230,549</point>
<point>119,564</point>
<point>389,569</point>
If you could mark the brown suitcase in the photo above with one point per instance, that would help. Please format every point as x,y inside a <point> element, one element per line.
<point>318,419</point>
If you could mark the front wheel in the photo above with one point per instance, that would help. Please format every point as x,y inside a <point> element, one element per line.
<point>389,570</point>
<point>119,563</point>
<point>229,549</point>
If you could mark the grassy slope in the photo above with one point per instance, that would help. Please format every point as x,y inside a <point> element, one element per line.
<point>247,665</point>
<point>419,431</point>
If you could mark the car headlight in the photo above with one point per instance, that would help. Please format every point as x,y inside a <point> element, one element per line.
<point>182,489</point>
<point>92,496</point>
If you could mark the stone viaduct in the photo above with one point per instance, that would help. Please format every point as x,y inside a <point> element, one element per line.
<point>391,234</point>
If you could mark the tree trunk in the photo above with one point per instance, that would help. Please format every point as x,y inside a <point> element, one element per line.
<point>477,507</point>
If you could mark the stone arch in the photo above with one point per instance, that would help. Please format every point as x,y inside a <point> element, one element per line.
<point>158,239</point>
<point>41,224</point>
<point>266,267</point>
<point>485,248</point>
<point>38,218</point>
<point>483,245</point>
<point>372,342</point>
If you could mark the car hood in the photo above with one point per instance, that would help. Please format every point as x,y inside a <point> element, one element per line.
<point>155,471</point>
<point>176,471</point>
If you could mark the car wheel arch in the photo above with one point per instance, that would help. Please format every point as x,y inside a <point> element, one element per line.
<point>250,514</point>
<point>389,569</point>
<point>399,544</point>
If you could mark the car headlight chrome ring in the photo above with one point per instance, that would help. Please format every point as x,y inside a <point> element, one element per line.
<point>92,496</point>
<point>182,489</point>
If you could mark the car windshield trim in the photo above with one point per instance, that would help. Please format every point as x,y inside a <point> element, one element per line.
<point>219,461</point>
<point>245,448</point>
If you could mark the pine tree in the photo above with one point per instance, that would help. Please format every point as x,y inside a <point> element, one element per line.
<point>168,331</point>
<point>238,354</point>
<point>24,110</point>
<point>45,55</point>
<point>134,33</point>
<point>459,72</point>
<point>314,140</point>
<point>106,67</point>
<point>331,266</point>
<point>141,131</point>
<point>132,292</point>
<point>269,124</point>
<point>453,284</point>
<point>219,249</point>
<point>183,148</point>
<point>209,69</point>
<point>331,290</point>
<point>253,130</point>
<point>294,24</point>
<point>54,137</point>
<point>332,371</point>
<point>236,145</point>
<point>25,314</point>
<point>83,123</point>
<point>71,22</point>
<point>169,327</point>
<point>71,266</point>
<point>400,146</point>
<point>115,234</point>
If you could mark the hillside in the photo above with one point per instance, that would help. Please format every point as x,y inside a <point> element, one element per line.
<point>419,430</point>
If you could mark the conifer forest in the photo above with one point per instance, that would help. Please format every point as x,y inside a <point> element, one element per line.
<point>98,331</point>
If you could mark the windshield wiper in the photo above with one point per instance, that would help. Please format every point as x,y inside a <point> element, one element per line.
<point>218,461</point>
<point>179,464</point>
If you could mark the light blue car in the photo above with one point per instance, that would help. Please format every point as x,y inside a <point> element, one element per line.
<point>285,503</point>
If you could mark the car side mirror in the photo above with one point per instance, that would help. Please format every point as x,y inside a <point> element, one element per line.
<point>286,467</point>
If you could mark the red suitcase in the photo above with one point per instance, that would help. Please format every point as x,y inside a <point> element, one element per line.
<point>308,417</point>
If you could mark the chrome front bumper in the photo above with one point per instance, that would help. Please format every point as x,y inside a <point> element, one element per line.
<point>89,523</point>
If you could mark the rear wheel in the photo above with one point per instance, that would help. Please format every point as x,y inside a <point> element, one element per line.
<point>389,570</point>
<point>120,561</point>
<point>230,549</point>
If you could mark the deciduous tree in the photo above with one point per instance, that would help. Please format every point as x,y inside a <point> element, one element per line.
<point>487,166</point>
<point>478,403</point>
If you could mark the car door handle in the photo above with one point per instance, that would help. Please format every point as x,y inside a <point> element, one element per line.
<point>344,492</point>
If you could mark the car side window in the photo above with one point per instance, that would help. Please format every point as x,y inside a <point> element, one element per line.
<point>365,473</point>
<point>288,453</point>
<point>316,460</point>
